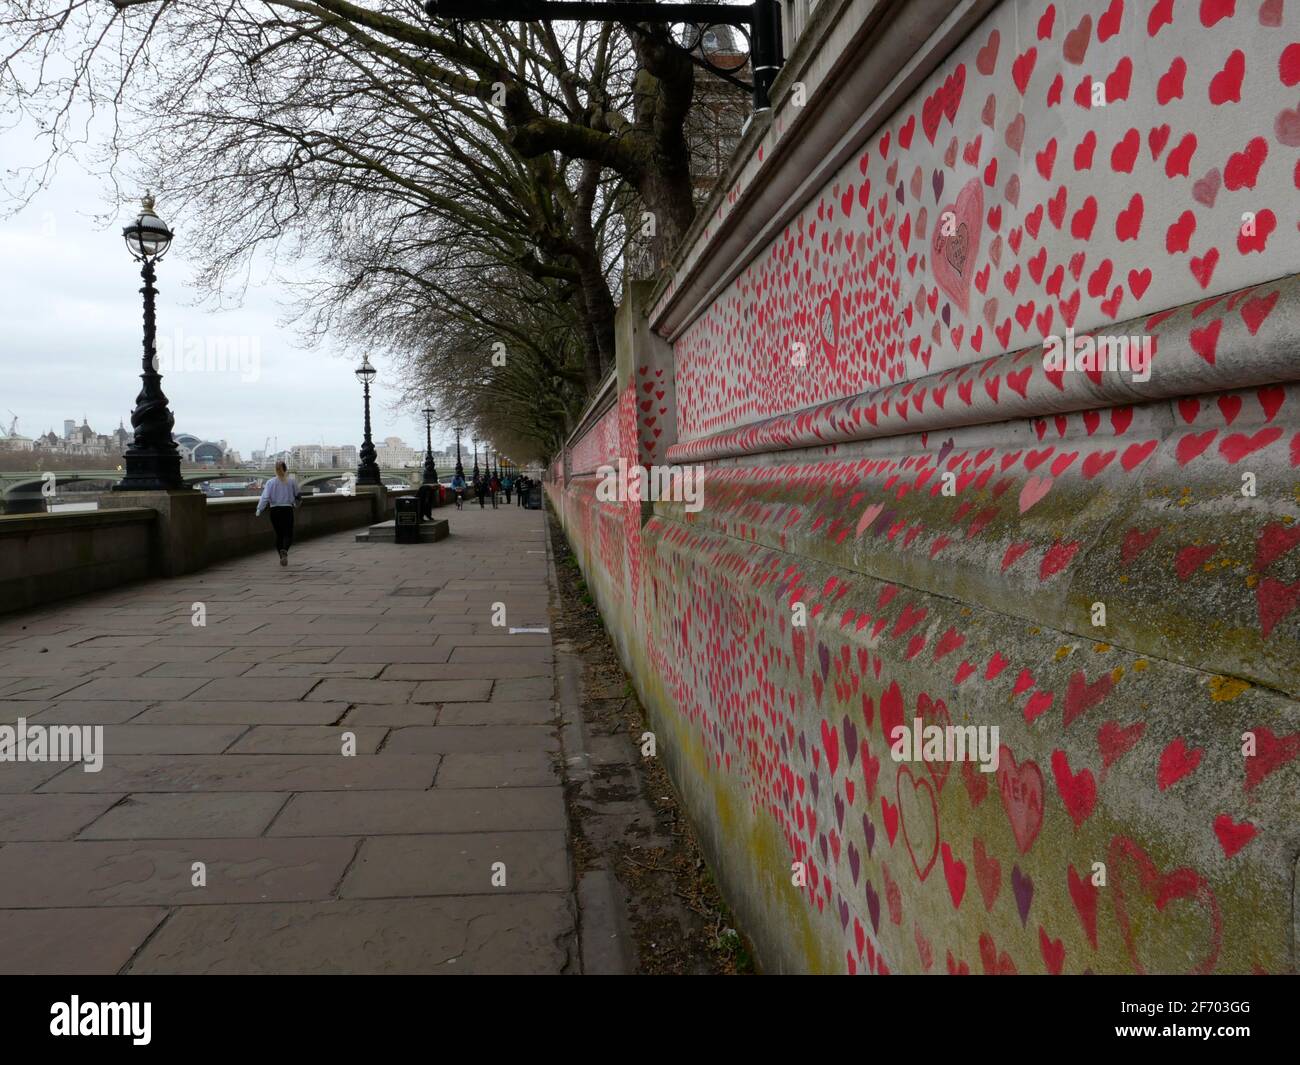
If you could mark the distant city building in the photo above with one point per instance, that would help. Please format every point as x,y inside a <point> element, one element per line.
<point>320,456</point>
<point>395,452</point>
<point>205,452</point>
<point>77,440</point>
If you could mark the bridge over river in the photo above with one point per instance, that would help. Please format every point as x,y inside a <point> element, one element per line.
<point>27,492</point>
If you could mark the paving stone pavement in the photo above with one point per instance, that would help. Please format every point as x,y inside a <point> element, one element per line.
<point>223,744</point>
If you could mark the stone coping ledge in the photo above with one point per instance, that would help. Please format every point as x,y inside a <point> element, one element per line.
<point>21,524</point>
<point>242,502</point>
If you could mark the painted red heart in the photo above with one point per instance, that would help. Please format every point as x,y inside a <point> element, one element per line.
<point>1114,742</point>
<point>955,243</point>
<point>1052,950</point>
<point>1080,696</point>
<point>1271,753</point>
<point>1233,835</point>
<point>1084,894</point>
<point>1077,790</point>
<point>1021,790</point>
<point>954,872</point>
<point>1135,879</point>
<point>916,796</point>
<point>1176,762</point>
<point>988,874</point>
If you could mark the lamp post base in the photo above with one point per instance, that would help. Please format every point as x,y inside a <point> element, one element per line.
<point>152,472</point>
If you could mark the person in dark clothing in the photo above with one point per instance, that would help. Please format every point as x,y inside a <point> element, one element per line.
<point>281,495</point>
<point>494,486</point>
<point>522,486</point>
<point>425,496</point>
<point>480,488</point>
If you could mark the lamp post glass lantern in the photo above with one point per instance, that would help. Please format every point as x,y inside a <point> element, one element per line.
<point>153,461</point>
<point>368,468</point>
<point>430,470</point>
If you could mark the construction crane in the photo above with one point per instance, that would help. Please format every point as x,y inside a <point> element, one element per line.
<point>13,426</point>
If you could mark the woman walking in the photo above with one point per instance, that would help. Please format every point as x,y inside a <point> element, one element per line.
<point>281,495</point>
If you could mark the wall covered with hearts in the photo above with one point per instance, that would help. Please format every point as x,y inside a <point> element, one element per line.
<point>917,519</point>
<point>1095,162</point>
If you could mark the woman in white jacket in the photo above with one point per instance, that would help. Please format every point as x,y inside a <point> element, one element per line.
<point>281,495</point>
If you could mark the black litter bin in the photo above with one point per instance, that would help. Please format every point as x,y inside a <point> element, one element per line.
<point>407,529</point>
<point>534,500</point>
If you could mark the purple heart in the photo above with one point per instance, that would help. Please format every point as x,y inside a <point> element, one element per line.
<point>1023,886</point>
<point>898,192</point>
<point>855,862</point>
<point>839,811</point>
<point>803,746</point>
<point>873,907</point>
<point>821,842</point>
<point>943,451</point>
<point>850,740</point>
<point>824,657</point>
<point>869,831</point>
<point>814,783</point>
<point>937,181</point>
<point>844,914</point>
<point>946,314</point>
<point>883,522</point>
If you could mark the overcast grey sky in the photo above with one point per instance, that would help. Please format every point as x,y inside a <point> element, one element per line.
<point>70,334</point>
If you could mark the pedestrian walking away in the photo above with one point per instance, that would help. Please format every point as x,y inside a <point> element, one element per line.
<point>494,486</point>
<point>507,483</point>
<point>281,496</point>
<point>480,489</point>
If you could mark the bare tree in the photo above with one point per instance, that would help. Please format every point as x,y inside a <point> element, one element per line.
<point>305,125</point>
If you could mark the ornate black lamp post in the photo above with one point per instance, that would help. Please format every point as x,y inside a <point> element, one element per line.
<point>368,469</point>
<point>430,470</point>
<point>153,462</point>
<point>460,470</point>
<point>475,442</point>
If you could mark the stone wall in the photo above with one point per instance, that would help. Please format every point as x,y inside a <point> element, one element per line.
<point>234,528</point>
<point>908,514</point>
<point>47,557</point>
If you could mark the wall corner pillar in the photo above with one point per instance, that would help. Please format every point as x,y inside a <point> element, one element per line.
<point>181,533</point>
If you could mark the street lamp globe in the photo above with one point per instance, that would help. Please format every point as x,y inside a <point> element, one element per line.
<point>365,372</point>
<point>147,238</point>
